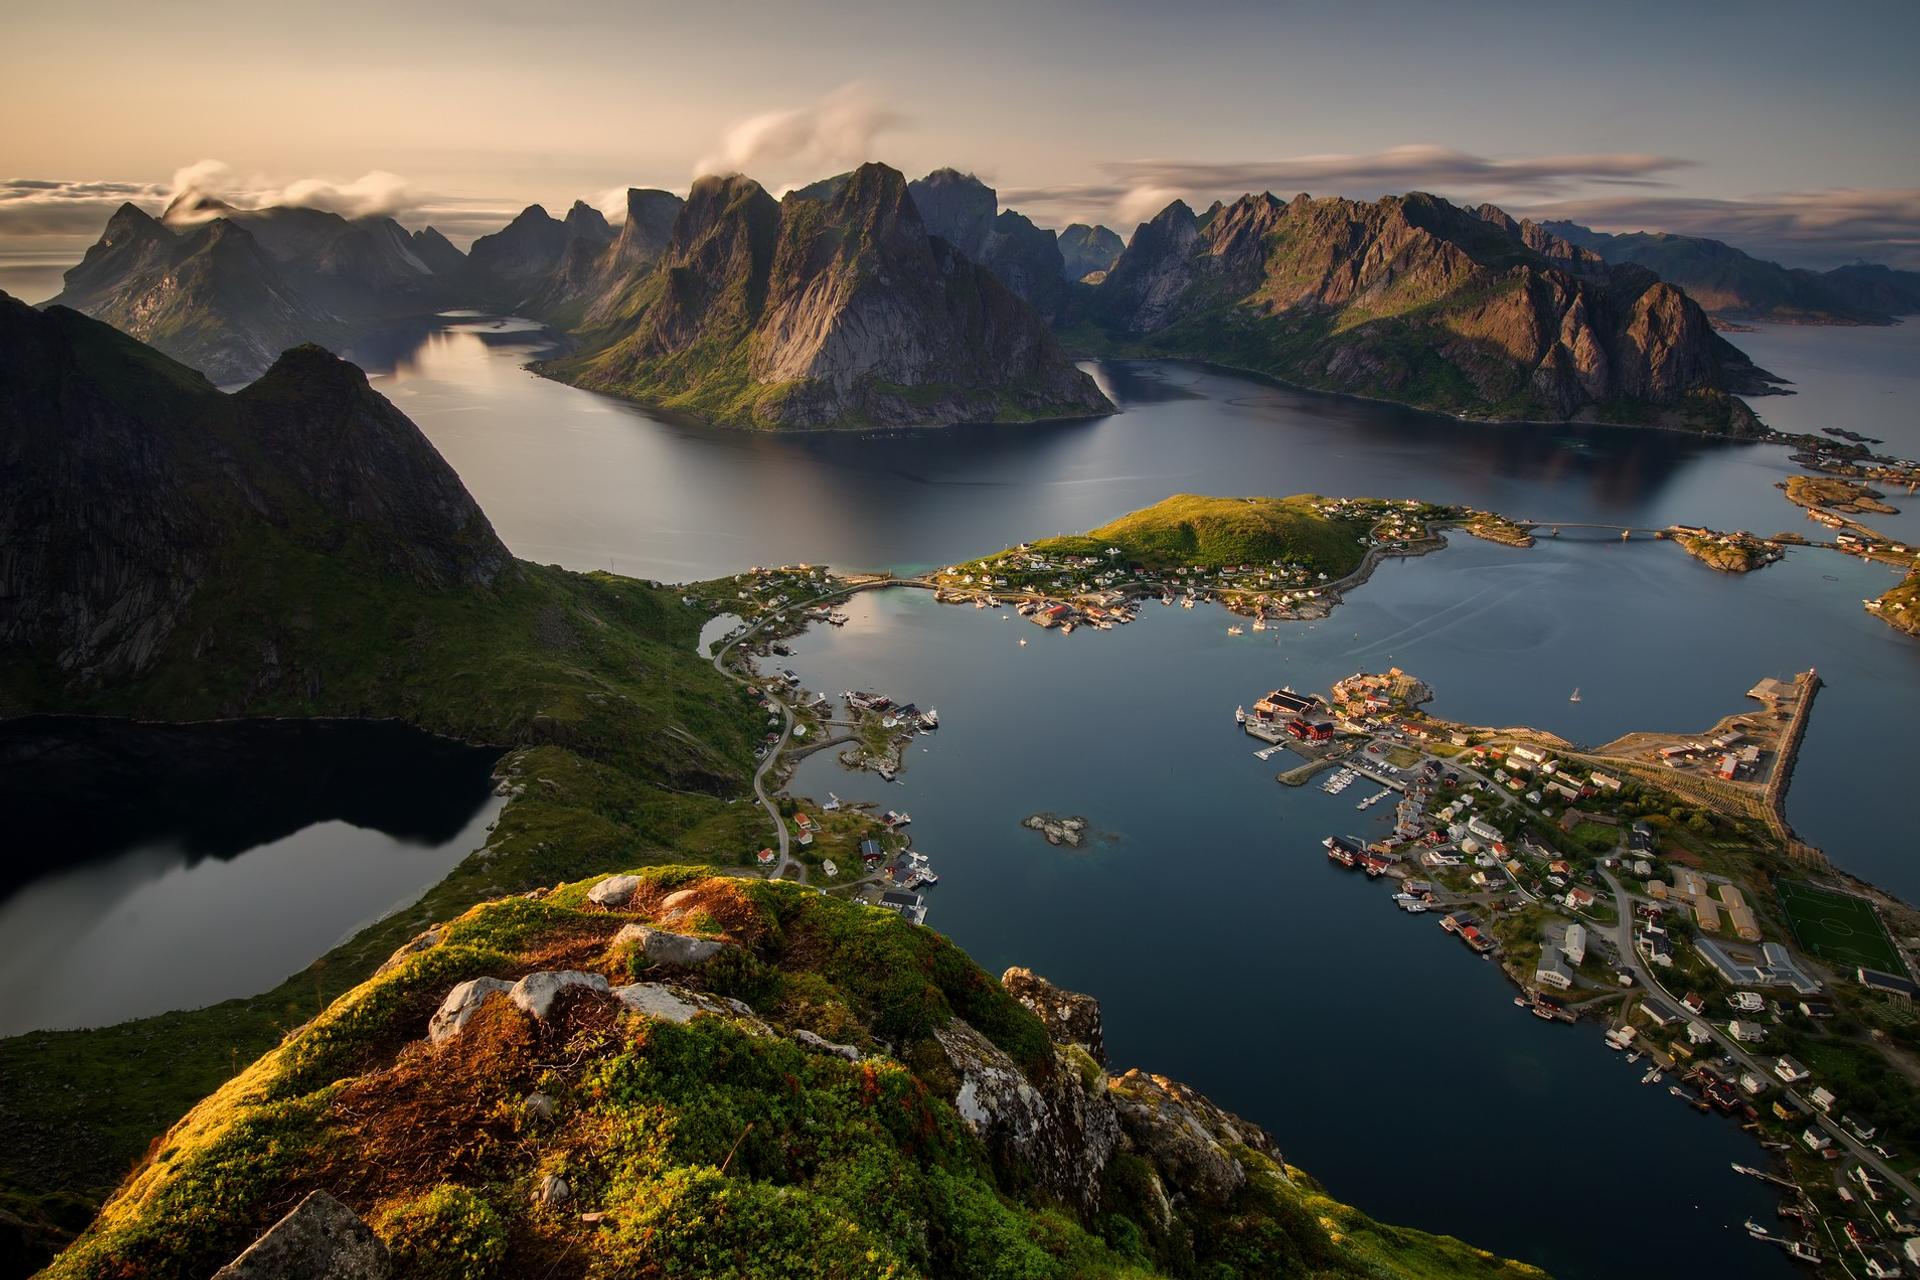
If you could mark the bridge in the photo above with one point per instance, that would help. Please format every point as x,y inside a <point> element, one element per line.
<point>1624,530</point>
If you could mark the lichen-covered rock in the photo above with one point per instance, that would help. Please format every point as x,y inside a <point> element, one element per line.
<point>552,1189</point>
<point>662,946</point>
<point>1186,1137</point>
<point>320,1239</point>
<point>1070,1018</point>
<point>421,941</point>
<point>460,1005</point>
<point>1061,1131</point>
<point>614,892</point>
<point>678,1004</point>
<point>536,992</point>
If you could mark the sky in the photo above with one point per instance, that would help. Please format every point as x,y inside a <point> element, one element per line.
<point>1789,129</point>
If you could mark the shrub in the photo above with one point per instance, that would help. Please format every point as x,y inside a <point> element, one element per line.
<point>448,1233</point>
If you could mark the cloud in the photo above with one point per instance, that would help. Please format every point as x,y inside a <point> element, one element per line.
<point>1132,185</point>
<point>1821,228</point>
<point>373,194</point>
<point>834,134</point>
<point>41,207</point>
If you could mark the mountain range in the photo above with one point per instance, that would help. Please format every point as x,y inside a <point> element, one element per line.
<point>865,299</point>
<point>1415,300</point>
<point>1738,286</point>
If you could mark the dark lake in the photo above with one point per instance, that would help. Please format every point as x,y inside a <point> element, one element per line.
<point>167,867</point>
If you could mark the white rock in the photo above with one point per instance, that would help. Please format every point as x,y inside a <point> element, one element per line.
<point>662,946</point>
<point>535,993</point>
<point>461,1004</point>
<point>552,1189</point>
<point>820,1044</point>
<point>614,892</point>
<point>678,1004</point>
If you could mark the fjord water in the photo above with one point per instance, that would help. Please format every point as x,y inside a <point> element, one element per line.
<point>590,482</point>
<point>169,867</point>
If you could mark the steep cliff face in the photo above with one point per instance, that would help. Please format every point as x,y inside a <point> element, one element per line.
<point>813,1089</point>
<point>1086,250</point>
<point>962,210</point>
<point>826,312</point>
<point>1413,299</point>
<point>131,483</point>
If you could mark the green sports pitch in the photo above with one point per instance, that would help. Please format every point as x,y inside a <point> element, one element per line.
<point>1839,928</point>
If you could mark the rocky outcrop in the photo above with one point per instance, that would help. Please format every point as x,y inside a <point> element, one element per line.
<point>1070,832</point>
<point>661,946</point>
<point>1086,250</point>
<point>130,482</point>
<point>1189,1141</point>
<point>1061,1129</point>
<point>320,1239</point>
<point>1070,1018</point>
<point>614,892</point>
<point>817,312</point>
<point>1412,299</point>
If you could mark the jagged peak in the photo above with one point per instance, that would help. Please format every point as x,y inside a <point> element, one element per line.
<point>310,367</point>
<point>131,218</point>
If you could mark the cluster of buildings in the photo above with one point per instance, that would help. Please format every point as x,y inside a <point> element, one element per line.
<point>1690,889</point>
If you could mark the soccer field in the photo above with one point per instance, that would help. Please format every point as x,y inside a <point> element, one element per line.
<point>1839,928</point>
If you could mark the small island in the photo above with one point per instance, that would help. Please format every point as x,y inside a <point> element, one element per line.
<point>1899,607</point>
<point>1836,494</point>
<point>1069,832</point>
<point>1737,552</point>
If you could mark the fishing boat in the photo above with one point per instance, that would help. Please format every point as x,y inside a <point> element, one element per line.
<point>833,802</point>
<point>1239,715</point>
<point>1235,631</point>
<point>1575,697</point>
<point>1023,642</point>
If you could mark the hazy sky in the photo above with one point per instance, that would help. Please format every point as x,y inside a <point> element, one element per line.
<point>1787,127</point>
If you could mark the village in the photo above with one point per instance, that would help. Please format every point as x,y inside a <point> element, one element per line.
<point>1640,885</point>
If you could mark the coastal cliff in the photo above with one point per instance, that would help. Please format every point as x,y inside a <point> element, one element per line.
<point>1414,300</point>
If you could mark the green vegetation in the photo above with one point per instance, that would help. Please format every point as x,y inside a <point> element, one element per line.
<point>718,1147</point>
<point>1839,928</point>
<point>1192,531</point>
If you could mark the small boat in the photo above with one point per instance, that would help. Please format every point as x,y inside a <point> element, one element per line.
<point>1521,1001</point>
<point>1235,631</point>
<point>1575,697</point>
<point>833,802</point>
<point>1652,1076</point>
<point>1239,715</point>
<point>1634,1056</point>
<point>1023,642</point>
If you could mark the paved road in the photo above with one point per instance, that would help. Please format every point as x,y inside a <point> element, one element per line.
<point>1623,939</point>
<point>782,846</point>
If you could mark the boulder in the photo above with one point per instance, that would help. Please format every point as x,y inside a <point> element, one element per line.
<point>662,946</point>
<point>552,1189</point>
<point>820,1044</point>
<point>1060,1131</point>
<point>614,892</point>
<point>1071,1018</point>
<point>461,1004</point>
<point>678,1004</point>
<point>536,992</point>
<point>417,943</point>
<point>321,1239</point>
<point>539,1105</point>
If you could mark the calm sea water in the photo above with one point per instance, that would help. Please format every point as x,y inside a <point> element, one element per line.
<point>199,863</point>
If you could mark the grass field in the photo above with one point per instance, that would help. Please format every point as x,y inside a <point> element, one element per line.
<point>1839,927</point>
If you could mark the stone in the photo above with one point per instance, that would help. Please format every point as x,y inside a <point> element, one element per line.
<point>321,1239</point>
<point>679,899</point>
<point>614,892</point>
<point>417,943</point>
<point>662,946</point>
<point>820,1044</point>
<point>539,1105</point>
<point>1070,1018</point>
<point>678,1004</point>
<point>536,992</point>
<point>460,1005</point>
<point>552,1189</point>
